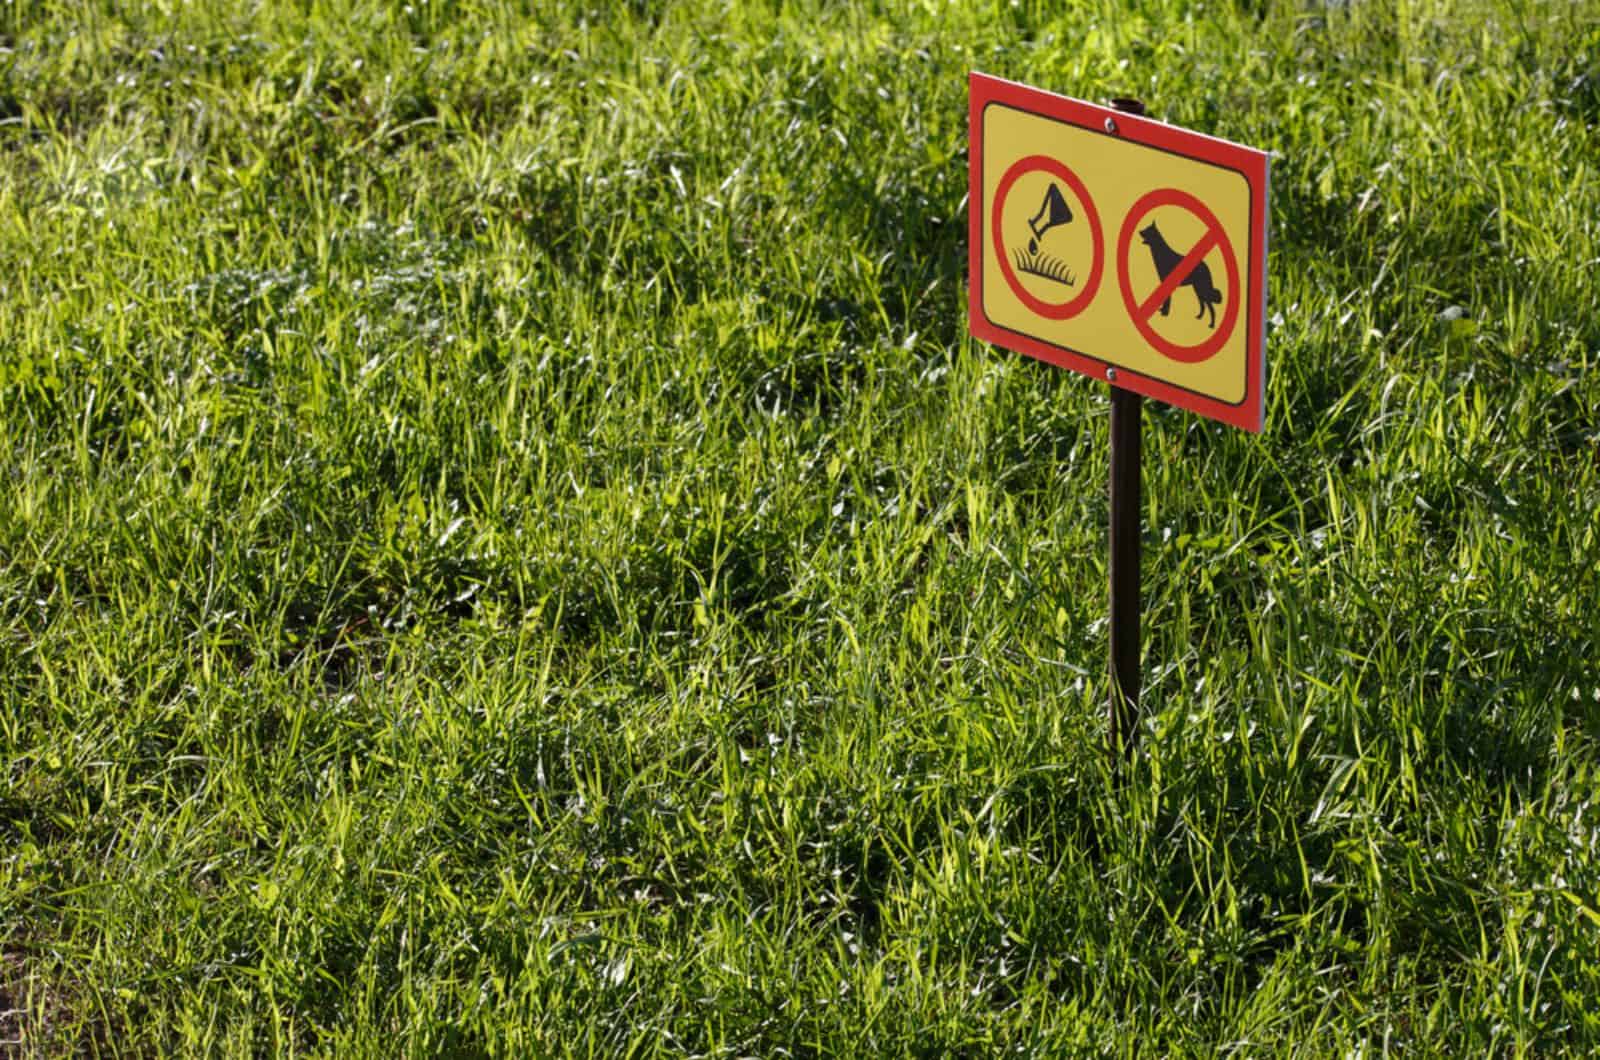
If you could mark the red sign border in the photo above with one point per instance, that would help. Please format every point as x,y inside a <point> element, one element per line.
<point>984,90</point>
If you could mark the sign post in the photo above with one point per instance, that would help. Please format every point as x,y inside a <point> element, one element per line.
<point>1127,408</point>
<point>1127,465</point>
<point>1056,187</point>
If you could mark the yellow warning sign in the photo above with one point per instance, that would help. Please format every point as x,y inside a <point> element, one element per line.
<point>1119,247</point>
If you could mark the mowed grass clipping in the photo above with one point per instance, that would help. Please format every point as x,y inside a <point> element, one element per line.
<point>506,546</point>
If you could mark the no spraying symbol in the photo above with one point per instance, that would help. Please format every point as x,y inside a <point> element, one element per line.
<point>1177,269</point>
<point>1053,211</point>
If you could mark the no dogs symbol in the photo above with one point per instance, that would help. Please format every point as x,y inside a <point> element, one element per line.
<point>1180,277</point>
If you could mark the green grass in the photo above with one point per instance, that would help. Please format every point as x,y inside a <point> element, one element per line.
<point>507,547</point>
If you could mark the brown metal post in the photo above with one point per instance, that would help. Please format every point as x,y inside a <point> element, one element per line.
<point>1127,409</point>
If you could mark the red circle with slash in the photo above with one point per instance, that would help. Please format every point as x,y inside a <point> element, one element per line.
<point>1214,237</point>
<point>1078,303</point>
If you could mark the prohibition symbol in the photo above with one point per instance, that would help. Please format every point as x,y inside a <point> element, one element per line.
<point>1186,272</point>
<point>1079,302</point>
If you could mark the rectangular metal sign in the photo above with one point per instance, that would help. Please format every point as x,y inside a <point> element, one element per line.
<point>1119,247</point>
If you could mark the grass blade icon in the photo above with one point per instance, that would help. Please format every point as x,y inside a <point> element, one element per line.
<point>1045,267</point>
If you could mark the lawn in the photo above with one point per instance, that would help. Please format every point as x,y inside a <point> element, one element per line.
<point>507,546</point>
